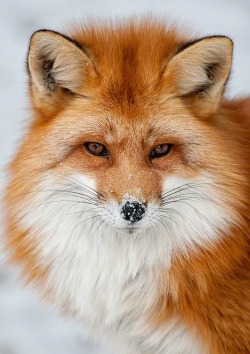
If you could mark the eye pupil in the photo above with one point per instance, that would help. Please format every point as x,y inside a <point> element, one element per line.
<point>160,150</point>
<point>96,149</point>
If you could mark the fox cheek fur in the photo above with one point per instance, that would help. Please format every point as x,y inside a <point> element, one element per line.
<point>128,203</point>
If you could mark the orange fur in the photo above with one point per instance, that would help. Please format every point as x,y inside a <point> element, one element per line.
<point>127,90</point>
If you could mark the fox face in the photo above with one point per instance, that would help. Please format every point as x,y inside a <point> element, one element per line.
<point>123,135</point>
<point>129,164</point>
<point>138,177</point>
<point>130,132</point>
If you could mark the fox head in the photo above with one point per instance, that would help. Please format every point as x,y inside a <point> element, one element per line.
<point>127,148</point>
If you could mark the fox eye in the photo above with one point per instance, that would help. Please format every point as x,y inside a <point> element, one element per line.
<point>160,150</point>
<point>96,149</point>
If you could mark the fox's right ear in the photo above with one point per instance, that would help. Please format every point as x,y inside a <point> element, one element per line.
<point>56,65</point>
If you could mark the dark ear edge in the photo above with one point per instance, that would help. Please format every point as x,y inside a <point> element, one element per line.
<point>199,71</point>
<point>200,64</point>
<point>190,43</point>
<point>43,30</point>
<point>210,68</point>
<point>59,68</point>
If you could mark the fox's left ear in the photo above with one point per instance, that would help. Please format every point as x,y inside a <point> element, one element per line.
<point>199,72</point>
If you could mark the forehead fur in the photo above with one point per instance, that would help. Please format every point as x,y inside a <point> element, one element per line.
<point>129,57</point>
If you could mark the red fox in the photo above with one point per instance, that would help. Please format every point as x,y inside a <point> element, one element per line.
<point>128,200</point>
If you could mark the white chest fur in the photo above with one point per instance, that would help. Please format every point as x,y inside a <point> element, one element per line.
<point>109,279</point>
<point>114,302</point>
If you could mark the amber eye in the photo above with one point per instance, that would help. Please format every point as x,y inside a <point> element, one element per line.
<point>96,149</point>
<point>160,150</point>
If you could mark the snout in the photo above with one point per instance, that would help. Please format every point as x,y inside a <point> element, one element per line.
<point>130,215</point>
<point>133,210</point>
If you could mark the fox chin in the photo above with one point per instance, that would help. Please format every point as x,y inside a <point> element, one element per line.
<point>128,200</point>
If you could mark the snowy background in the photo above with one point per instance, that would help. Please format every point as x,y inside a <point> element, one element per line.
<point>26,326</point>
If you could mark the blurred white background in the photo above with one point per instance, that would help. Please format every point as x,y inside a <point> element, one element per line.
<point>26,326</point>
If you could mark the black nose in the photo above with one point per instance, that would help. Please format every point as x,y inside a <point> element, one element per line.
<point>133,211</point>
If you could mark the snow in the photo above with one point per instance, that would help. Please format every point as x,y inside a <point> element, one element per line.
<point>26,326</point>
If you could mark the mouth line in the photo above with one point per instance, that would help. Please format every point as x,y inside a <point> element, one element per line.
<point>130,229</point>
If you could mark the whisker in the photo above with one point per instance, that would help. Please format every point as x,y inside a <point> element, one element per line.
<point>95,231</point>
<point>168,210</point>
<point>164,224</point>
<point>78,183</point>
<point>70,201</point>
<point>81,222</point>
<point>81,211</point>
<point>183,187</point>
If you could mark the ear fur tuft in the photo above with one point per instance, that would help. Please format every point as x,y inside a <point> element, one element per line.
<point>202,68</point>
<point>55,62</point>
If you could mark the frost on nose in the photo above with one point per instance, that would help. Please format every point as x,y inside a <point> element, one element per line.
<point>133,210</point>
